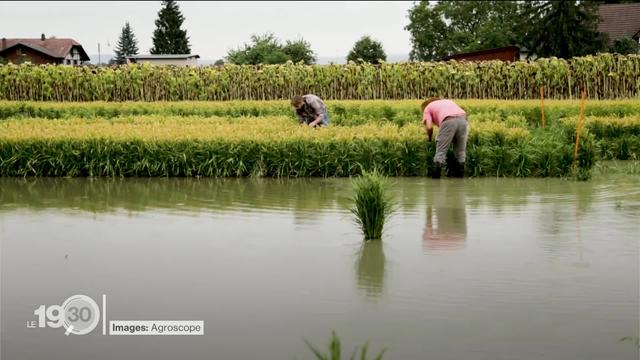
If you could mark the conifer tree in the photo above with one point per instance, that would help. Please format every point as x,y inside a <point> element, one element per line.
<point>127,45</point>
<point>169,37</point>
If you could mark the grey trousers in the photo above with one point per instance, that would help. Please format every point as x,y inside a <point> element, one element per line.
<point>453,129</point>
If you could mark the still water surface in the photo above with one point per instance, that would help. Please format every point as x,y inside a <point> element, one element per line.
<point>468,269</point>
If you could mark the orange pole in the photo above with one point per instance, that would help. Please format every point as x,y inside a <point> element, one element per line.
<point>579,127</point>
<point>542,104</point>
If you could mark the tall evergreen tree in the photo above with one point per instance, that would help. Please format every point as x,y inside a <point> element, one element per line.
<point>127,45</point>
<point>563,28</point>
<point>168,37</point>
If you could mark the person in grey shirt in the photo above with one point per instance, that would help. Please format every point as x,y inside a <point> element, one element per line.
<point>310,110</point>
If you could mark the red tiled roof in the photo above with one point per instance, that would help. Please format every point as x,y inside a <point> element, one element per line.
<point>619,20</point>
<point>57,48</point>
<point>481,52</point>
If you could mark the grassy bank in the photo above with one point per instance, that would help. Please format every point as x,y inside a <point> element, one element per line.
<point>271,146</point>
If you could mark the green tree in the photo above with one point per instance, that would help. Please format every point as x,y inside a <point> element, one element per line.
<point>267,49</point>
<point>219,62</point>
<point>563,28</point>
<point>169,37</point>
<point>625,46</point>
<point>299,50</point>
<point>368,50</point>
<point>263,49</point>
<point>127,45</point>
<point>449,27</point>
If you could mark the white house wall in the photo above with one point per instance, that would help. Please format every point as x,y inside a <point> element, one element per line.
<point>177,62</point>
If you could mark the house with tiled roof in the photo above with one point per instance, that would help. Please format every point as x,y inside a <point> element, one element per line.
<point>43,51</point>
<point>619,21</point>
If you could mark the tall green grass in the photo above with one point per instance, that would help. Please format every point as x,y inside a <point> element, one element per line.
<point>372,204</point>
<point>335,351</point>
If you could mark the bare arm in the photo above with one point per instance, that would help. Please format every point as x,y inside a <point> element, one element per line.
<point>316,121</point>
<point>429,132</point>
<point>428,125</point>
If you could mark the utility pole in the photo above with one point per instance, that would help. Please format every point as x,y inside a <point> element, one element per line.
<point>99,59</point>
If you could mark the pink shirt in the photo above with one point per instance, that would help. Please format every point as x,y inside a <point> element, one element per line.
<point>438,110</point>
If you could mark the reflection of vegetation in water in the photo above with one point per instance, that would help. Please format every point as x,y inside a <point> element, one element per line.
<point>139,194</point>
<point>370,267</point>
<point>335,351</point>
<point>633,339</point>
<point>614,184</point>
<point>372,204</point>
<point>307,197</point>
<point>616,167</point>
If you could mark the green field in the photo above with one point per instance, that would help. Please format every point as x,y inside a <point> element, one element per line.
<point>263,139</point>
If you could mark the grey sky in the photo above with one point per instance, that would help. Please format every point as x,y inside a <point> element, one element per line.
<point>215,27</point>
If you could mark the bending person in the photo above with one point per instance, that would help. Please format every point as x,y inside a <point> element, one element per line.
<point>310,110</point>
<point>452,121</point>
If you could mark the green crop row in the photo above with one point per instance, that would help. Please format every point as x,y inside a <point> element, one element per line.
<point>604,76</point>
<point>615,138</point>
<point>193,146</point>
<point>341,112</point>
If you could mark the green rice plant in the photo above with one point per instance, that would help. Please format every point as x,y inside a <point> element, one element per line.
<point>515,113</point>
<point>335,351</point>
<point>372,204</point>
<point>616,138</point>
<point>153,145</point>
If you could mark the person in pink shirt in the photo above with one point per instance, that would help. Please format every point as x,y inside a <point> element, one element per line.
<point>452,121</point>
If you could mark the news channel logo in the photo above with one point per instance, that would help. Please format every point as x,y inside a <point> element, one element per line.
<point>78,315</point>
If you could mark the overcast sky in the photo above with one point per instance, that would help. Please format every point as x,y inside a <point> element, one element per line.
<point>215,27</point>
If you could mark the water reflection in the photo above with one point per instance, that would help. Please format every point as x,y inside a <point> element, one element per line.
<point>304,197</point>
<point>446,218</point>
<point>312,278</point>
<point>370,268</point>
<point>448,200</point>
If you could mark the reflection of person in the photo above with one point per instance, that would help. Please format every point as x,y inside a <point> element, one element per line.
<point>452,121</point>
<point>370,268</point>
<point>446,222</point>
<point>310,110</point>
